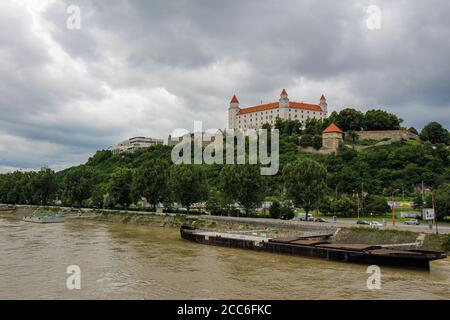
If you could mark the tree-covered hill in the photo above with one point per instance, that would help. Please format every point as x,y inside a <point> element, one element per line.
<point>354,179</point>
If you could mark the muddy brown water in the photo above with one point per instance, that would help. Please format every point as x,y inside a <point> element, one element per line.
<point>120,261</point>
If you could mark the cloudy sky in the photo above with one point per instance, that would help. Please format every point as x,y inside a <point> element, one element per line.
<point>147,67</point>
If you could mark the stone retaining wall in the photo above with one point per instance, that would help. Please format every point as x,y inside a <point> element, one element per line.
<point>393,135</point>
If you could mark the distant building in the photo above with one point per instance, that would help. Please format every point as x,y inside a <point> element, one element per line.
<point>255,117</point>
<point>135,144</point>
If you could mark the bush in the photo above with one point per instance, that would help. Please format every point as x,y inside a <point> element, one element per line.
<point>306,140</point>
<point>317,142</point>
<point>275,210</point>
<point>287,213</point>
<point>376,205</point>
<point>446,243</point>
<point>344,206</point>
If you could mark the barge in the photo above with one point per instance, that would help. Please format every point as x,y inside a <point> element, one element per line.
<point>307,247</point>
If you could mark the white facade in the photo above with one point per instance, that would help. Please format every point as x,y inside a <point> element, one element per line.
<point>134,144</point>
<point>255,117</point>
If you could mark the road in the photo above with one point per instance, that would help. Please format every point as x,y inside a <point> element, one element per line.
<point>318,225</point>
<point>445,229</point>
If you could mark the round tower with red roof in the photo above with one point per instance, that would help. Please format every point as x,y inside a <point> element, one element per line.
<point>332,136</point>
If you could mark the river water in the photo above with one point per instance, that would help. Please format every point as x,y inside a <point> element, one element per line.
<point>119,261</point>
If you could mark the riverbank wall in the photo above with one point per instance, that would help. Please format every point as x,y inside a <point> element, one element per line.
<point>348,234</point>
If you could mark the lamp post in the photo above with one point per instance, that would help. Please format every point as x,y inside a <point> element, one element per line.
<point>393,206</point>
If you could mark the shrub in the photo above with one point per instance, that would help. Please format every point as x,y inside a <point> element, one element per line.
<point>275,210</point>
<point>287,213</point>
<point>446,243</point>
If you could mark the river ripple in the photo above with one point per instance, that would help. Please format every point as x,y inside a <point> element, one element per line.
<point>120,261</point>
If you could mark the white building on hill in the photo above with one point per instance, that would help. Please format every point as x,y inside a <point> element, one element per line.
<point>255,117</point>
<point>134,144</point>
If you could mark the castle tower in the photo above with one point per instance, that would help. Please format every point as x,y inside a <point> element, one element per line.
<point>332,137</point>
<point>284,105</point>
<point>324,105</point>
<point>233,110</point>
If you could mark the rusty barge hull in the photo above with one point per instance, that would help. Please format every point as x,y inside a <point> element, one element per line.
<point>363,254</point>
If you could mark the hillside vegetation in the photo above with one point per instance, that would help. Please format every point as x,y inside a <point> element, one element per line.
<point>352,180</point>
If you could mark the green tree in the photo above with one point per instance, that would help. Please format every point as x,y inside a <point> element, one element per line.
<point>275,210</point>
<point>288,127</point>
<point>344,206</point>
<point>306,140</point>
<point>375,204</point>
<point>350,119</point>
<point>352,136</point>
<point>150,181</point>
<point>443,201</point>
<point>188,184</point>
<point>381,120</point>
<point>305,183</point>
<point>435,133</point>
<point>78,184</point>
<point>314,126</point>
<point>100,197</point>
<point>418,201</point>
<point>242,184</point>
<point>43,186</point>
<point>120,184</point>
<point>287,213</point>
<point>317,142</point>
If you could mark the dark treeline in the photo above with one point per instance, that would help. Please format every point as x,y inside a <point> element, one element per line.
<point>342,183</point>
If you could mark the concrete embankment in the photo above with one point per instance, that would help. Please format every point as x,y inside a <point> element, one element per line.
<point>363,235</point>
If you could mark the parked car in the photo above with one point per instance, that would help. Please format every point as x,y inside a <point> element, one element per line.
<point>303,217</point>
<point>364,222</point>
<point>376,224</point>
<point>412,222</point>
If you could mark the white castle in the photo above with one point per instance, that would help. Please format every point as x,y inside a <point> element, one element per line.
<point>255,117</point>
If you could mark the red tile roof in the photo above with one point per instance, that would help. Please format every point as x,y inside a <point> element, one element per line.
<point>234,99</point>
<point>332,128</point>
<point>262,107</point>
<point>275,105</point>
<point>284,92</point>
<point>323,97</point>
<point>305,106</point>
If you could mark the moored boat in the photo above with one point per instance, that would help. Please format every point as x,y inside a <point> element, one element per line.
<point>356,253</point>
<point>35,218</point>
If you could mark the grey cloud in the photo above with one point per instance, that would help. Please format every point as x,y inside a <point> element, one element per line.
<point>134,62</point>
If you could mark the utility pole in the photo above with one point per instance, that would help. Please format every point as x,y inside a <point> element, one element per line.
<point>393,206</point>
<point>362,197</point>
<point>433,200</point>
<point>423,196</point>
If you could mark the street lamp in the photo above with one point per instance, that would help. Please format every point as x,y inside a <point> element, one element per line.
<point>393,206</point>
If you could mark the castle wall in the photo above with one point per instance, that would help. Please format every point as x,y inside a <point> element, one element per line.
<point>393,135</point>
